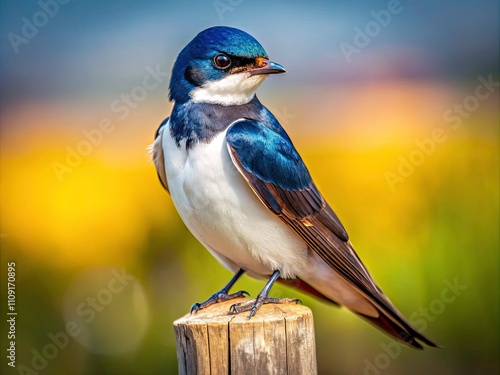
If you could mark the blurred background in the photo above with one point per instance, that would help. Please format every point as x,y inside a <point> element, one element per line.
<point>394,107</point>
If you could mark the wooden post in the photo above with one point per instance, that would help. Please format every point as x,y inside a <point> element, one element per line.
<point>279,339</point>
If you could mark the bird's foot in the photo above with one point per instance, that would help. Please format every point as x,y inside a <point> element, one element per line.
<point>217,297</point>
<point>254,304</point>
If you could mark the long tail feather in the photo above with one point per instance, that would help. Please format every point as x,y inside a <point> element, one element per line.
<point>402,332</point>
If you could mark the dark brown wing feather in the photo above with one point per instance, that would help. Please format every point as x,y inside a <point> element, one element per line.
<point>158,156</point>
<point>307,213</point>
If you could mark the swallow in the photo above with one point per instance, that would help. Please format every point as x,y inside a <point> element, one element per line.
<point>244,192</point>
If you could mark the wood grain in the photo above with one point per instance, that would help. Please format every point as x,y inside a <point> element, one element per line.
<point>279,339</point>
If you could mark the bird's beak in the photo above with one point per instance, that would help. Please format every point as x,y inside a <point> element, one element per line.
<point>264,66</point>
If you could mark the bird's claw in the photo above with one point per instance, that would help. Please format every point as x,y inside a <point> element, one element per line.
<point>217,297</point>
<point>254,304</point>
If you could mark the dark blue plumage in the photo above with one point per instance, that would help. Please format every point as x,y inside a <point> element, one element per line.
<point>194,67</point>
<point>277,174</point>
<point>200,122</point>
<point>268,155</point>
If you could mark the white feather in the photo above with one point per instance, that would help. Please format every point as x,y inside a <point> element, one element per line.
<point>234,89</point>
<point>220,209</point>
<point>224,214</point>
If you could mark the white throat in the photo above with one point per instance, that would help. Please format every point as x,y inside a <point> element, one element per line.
<point>235,89</point>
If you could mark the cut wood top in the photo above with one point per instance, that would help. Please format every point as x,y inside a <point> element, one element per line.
<point>278,339</point>
<point>218,313</point>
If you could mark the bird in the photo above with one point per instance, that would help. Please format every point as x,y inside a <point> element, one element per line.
<point>242,189</point>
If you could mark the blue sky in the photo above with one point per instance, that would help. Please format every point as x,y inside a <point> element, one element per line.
<point>92,47</point>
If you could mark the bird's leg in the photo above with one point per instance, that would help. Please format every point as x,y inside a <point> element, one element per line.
<point>221,295</point>
<point>254,304</point>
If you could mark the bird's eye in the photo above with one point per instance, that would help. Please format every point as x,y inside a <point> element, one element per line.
<point>221,61</point>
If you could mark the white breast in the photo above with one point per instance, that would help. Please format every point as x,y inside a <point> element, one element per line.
<point>224,214</point>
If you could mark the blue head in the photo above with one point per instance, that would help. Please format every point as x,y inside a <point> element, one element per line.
<point>221,65</point>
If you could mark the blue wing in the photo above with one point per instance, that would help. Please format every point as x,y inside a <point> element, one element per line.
<point>276,172</point>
